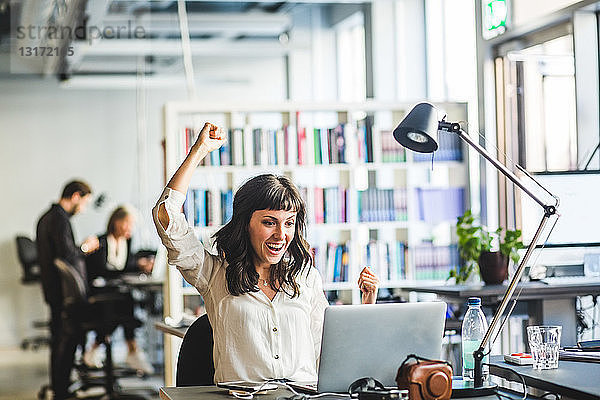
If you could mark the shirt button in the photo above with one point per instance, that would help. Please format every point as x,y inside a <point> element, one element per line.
<point>277,356</point>
<point>275,329</point>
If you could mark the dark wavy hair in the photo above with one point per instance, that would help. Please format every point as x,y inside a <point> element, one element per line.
<point>263,192</point>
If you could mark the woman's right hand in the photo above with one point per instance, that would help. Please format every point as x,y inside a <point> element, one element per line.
<point>211,138</point>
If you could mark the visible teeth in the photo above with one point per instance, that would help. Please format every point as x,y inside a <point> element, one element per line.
<point>275,247</point>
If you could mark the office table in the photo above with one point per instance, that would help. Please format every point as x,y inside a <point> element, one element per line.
<point>576,380</point>
<point>142,281</point>
<point>546,304</point>
<point>213,392</point>
<point>178,331</point>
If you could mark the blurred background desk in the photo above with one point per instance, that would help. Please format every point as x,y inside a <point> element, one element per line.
<point>546,304</point>
<point>147,294</point>
<point>178,331</point>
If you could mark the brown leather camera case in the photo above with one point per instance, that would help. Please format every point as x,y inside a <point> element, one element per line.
<point>426,380</point>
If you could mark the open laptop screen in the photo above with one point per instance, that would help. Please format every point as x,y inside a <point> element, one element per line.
<point>373,340</point>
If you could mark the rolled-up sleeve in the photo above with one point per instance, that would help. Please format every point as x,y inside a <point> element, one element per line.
<point>184,249</point>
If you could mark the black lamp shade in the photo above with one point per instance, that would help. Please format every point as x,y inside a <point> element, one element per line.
<point>418,131</point>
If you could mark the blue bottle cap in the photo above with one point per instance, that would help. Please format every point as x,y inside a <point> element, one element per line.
<point>473,301</point>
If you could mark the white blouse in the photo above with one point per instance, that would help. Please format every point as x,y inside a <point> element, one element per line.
<point>255,339</point>
<point>116,253</point>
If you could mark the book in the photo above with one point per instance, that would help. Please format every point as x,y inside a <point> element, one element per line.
<point>317,146</point>
<point>369,138</point>
<point>199,208</point>
<point>280,147</point>
<point>225,150</point>
<point>434,262</point>
<point>319,206</point>
<point>440,204</point>
<point>324,145</point>
<point>237,147</point>
<point>226,206</point>
<point>302,146</point>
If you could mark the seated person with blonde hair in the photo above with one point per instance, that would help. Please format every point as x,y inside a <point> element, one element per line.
<point>113,259</point>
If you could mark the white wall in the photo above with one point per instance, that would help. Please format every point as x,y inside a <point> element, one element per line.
<point>49,135</point>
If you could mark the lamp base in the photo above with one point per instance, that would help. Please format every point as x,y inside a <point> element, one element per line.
<point>462,388</point>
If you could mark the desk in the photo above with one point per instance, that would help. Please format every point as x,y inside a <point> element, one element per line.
<point>173,330</point>
<point>146,293</point>
<point>576,380</point>
<point>546,304</point>
<point>141,281</point>
<point>212,392</point>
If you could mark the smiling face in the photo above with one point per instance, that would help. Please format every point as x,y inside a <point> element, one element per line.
<point>271,232</point>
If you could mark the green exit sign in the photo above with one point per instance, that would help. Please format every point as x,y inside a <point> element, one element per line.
<point>495,13</point>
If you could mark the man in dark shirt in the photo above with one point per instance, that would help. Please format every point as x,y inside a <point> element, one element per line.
<point>55,240</point>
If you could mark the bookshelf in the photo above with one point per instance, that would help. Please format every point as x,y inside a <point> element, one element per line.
<point>368,201</point>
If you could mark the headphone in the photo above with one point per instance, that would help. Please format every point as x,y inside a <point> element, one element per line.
<point>364,384</point>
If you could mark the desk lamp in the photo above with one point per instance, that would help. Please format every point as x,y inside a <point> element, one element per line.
<point>418,132</point>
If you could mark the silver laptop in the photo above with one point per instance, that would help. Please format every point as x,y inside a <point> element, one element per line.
<point>372,340</point>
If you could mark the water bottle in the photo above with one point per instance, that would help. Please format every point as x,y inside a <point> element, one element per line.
<point>474,327</point>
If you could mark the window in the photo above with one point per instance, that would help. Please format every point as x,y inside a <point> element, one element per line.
<point>543,84</point>
<point>351,64</point>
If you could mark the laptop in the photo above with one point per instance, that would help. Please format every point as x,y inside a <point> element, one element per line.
<point>372,340</point>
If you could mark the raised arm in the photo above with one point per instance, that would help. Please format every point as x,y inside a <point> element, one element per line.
<point>210,138</point>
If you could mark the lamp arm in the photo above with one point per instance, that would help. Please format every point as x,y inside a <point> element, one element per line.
<point>455,128</point>
<point>549,210</point>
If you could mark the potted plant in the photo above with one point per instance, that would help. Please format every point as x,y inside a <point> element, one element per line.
<point>475,245</point>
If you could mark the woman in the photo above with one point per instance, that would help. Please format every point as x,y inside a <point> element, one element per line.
<point>263,296</point>
<point>113,259</point>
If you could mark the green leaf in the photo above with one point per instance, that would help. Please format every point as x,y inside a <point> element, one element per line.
<point>474,239</point>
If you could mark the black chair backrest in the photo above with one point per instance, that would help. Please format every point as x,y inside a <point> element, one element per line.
<point>27,252</point>
<point>74,288</point>
<point>195,366</point>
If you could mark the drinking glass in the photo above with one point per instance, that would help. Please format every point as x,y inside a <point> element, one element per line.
<point>544,342</point>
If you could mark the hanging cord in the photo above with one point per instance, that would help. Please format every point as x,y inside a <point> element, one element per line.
<point>509,162</point>
<point>186,49</point>
<point>142,152</point>
<point>188,65</point>
<point>521,378</point>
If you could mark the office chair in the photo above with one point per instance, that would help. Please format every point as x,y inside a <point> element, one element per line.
<point>27,252</point>
<point>195,365</point>
<point>82,314</point>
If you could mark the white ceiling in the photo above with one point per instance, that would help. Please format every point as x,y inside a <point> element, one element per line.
<point>226,29</point>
